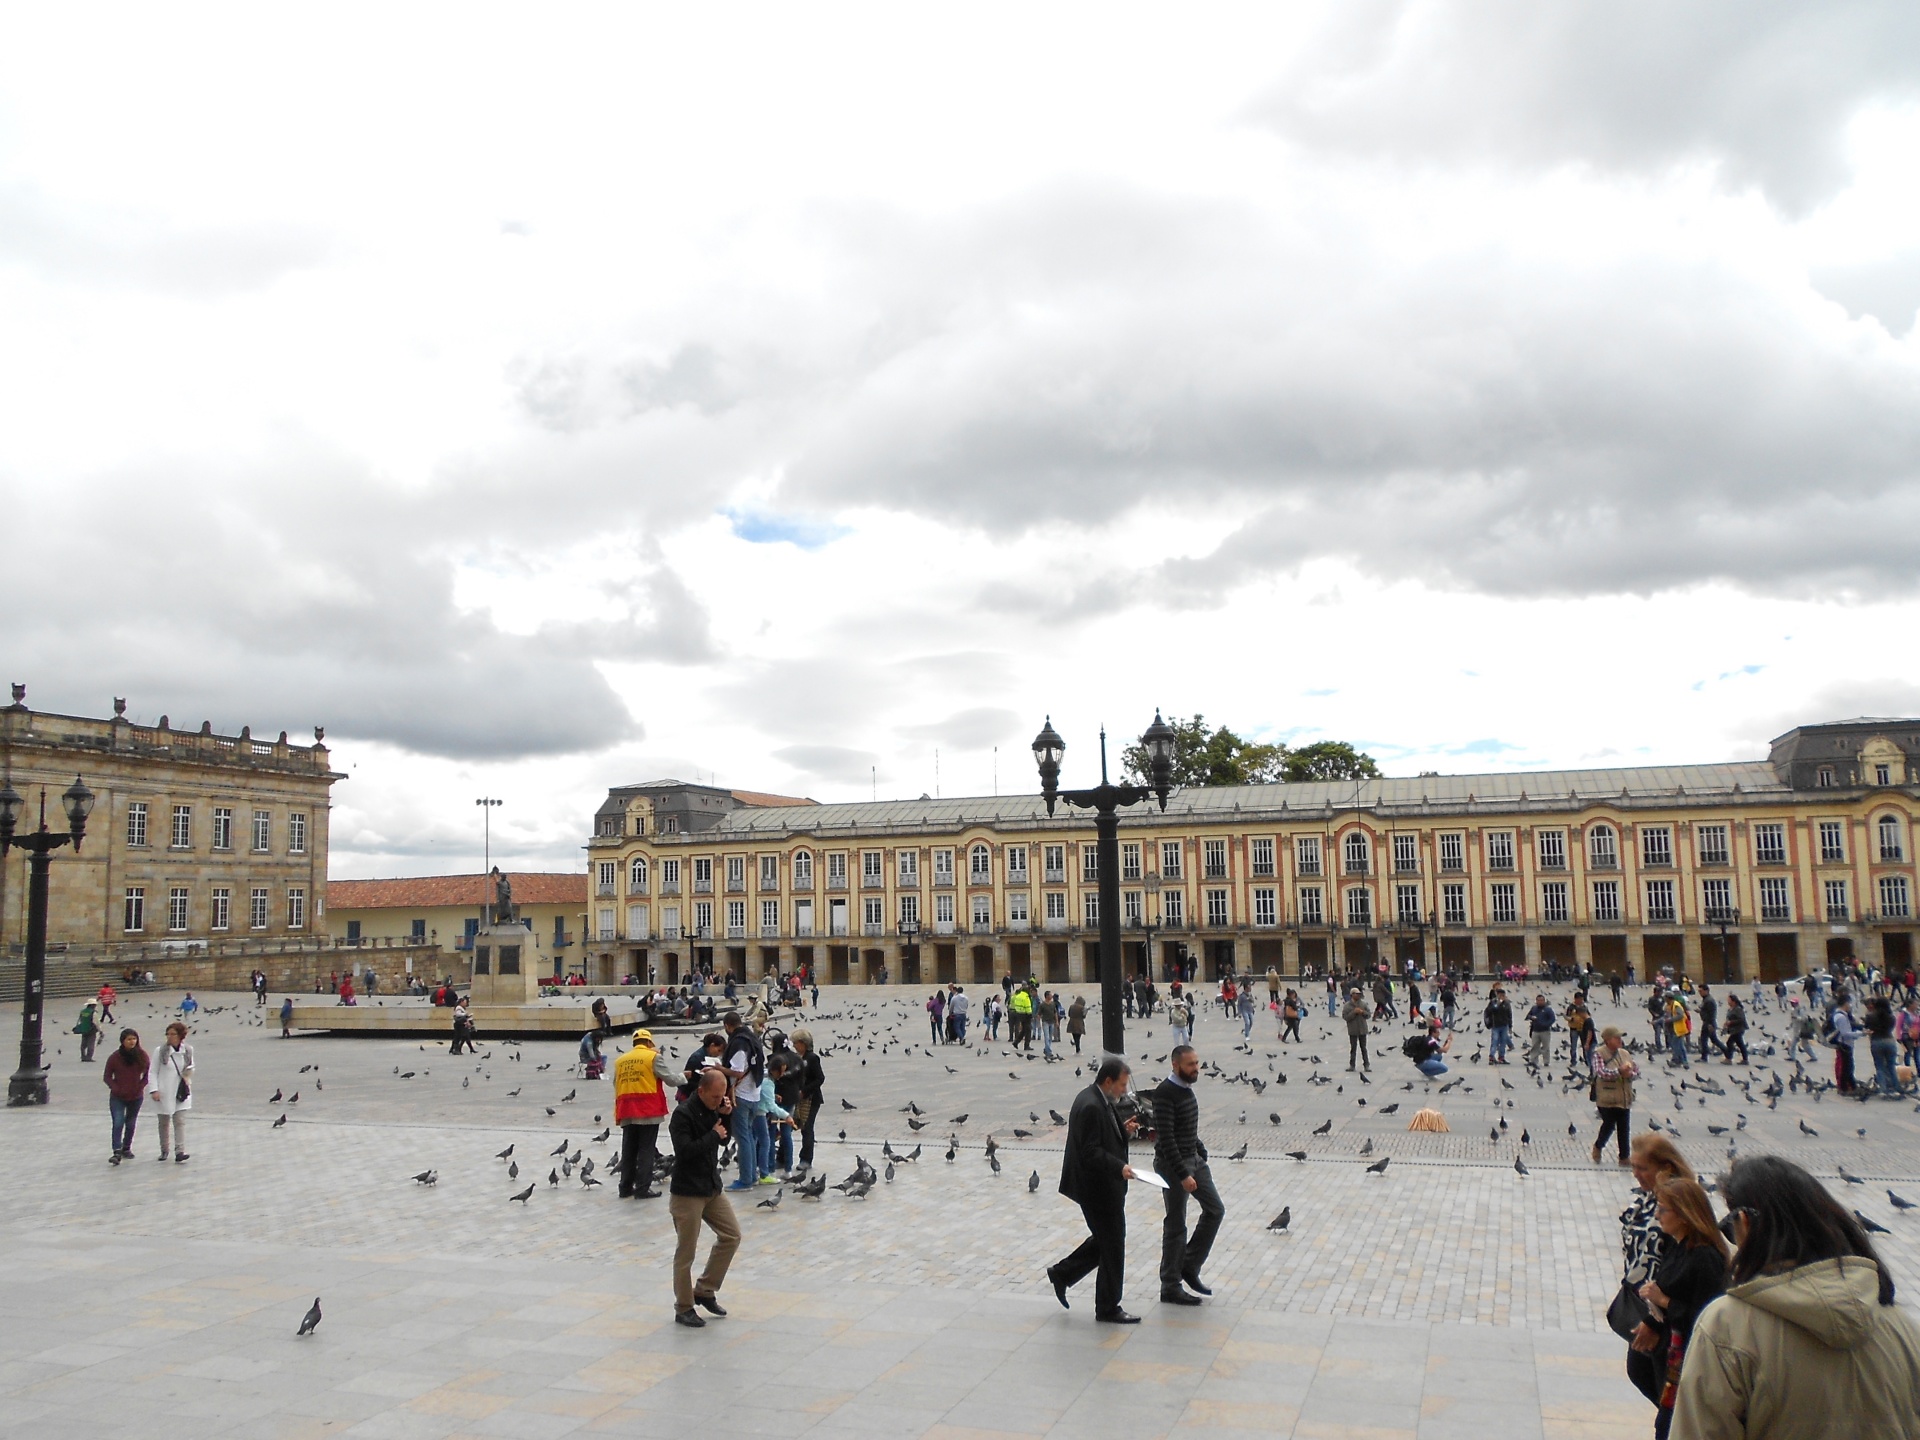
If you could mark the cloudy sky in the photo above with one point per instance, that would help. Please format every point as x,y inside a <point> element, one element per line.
<point>548,399</point>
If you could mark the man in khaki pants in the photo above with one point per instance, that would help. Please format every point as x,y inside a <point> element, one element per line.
<point>696,1195</point>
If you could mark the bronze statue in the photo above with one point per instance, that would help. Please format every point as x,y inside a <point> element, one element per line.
<point>502,897</point>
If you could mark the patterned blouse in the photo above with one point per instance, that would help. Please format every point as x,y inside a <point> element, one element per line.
<point>1642,1241</point>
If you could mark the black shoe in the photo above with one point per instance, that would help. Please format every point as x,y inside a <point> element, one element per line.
<point>647,1195</point>
<point>1192,1277</point>
<point>1059,1288</point>
<point>710,1304</point>
<point>1117,1317</point>
<point>1178,1297</point>
<point>691,1319</point>
<point>181,1159</point>
<point>625,1194</point>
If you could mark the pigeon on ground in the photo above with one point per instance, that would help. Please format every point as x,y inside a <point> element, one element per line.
<point>506,1154</point>
<point>848,1105</point>
<point>522,1196</point>
<point>274,1099</point>
<point>993,1163</point>
<point>918,1124</point>
<point>1872,1227</point>
<point>603,1135</point>
<point>1519,1166</point>
<point>1806,1129</point>
<point>1379,1167</point>
<point>311,1321</point>
<point>774,1202</point>
<point>1282,1220</point>
<point>560,1150</point>
<point>513,1170</point>
<point>1239,1154</point>
<point>427,1177</point>
<point>1326,1128</point>
<point>1898,1203</point>
<point>278,1123</point>
<point>553,1177</point>
<point>1296,1154</point>
<point>1033,1182</point>
<point>960,1119</point>
<point>1367,1149</point>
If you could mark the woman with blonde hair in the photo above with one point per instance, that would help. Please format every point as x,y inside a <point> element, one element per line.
<point>1692,1274</point>
<point>1644,1245</point>
<point>1613,1071</point>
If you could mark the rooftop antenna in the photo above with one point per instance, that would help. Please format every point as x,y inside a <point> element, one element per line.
<point>873,772</point>
<point>996,769</point>
<point>936,772</point>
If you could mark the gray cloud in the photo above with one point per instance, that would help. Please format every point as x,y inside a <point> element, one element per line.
<point>312,596</point>
<point>1887,289</point>
<point>1762,89</point>
<point>974,729</point>
<point>833,763</point>
<point>1844,700</point>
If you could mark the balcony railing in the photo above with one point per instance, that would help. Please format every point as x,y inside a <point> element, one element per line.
<point>1054,877</point>
<point>703,887</point>
<point>982,927</point>
<point>873,927</point>
<point>1406,867</point>
<point>1776,914</point>
<point>736,932</point>
<point>803,882</point>
<point>803,932</point>
<point>1660,915</point>
<point>1018,927</point>
<point>606,892</point>
<point>836,882</point>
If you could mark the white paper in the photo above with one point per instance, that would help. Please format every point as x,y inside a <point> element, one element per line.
<point>1152,1178</point>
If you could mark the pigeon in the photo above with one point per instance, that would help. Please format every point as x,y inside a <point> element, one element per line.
<point>568,1096</point>
<point>813,1189</point>
<point>1872,1227</point>
<point>281,1121</point>
<point>918,1124</point>
<point>960,1119</point>
<point>1519,1166</point>
<point>1367,1149</point>
<point>1239,1154</point>
<point>427,1177</point>
<point>1033,1182</point>
<point>993,1163</point>
<point>553,1177</point>
<point>513,1170</point>
<point>274,1099</point>
<point>603,1135</point>
<point>561,1149</point>
<point>1273,1118</point>
<point>1296,1154</point>
<point>1326,1128</point>
<point>846,1104</point>
<point>774,1202</point>
<point>1390,1109</point>
<point>551,1112</point>
<point>952,1150</point>
<point>310,1322</point>
<point>1282,1220</point>
<point>294,1099</point>
<point>1525,1138</point>
<point>1573,1129</point>
<point>1806,1129</point>
<point>1379,1167</point>
<point>1057,1117</point>
<point>522,1196</point>
<point>1020,1134</point>
<point>506,1154</point>
<point>1849,1177</point>
<point>1898,1203</point>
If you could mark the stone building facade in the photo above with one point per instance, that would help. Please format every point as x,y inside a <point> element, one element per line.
<point>430,920</point>
<point>205,854</point>
<point>1748,869</point>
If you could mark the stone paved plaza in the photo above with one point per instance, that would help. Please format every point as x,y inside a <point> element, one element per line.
<point>1450,1295</point>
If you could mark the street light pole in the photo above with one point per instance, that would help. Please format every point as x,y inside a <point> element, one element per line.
<point>28,1084</point>
<point>487,804</point>
<point>1105,800</point>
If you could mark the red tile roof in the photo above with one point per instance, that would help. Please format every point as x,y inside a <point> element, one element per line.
<point>761,800</point>
<point>422,892</point>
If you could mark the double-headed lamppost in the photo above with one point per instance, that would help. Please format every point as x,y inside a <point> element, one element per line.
<point>1104,800</point>
<point>28,1084</point>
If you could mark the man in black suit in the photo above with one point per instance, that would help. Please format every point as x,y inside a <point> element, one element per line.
<point>1094,1175</point>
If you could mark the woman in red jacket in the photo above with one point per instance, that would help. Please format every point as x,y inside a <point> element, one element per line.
<point>126,1077</point>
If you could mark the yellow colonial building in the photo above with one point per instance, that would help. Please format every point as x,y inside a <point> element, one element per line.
<point>1748,869</point>
<point>201,848</point>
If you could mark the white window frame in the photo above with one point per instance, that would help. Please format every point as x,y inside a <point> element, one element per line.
<point>637,875</point>
<point>873,868</point>
<point>980,864</point>
<point>608,874</point>
<point>1406,853</point>
<point>1089,864</point>
<point>136,824</point>
<point>1550,849</point>
<point>836,870</point>
<point>909,909</point>
<point>1307,856</point>
<point>1219,911</point>
<point>223,827</point>
<point>603,930</point>
<point>1173,909</point>
<point>802,869</point>
<point>1453,852</point>
<point>1133,907</point>
<point>1662,906</point>
<point>1016,864</point>
<point>180,837</point>
<point>1833,842</point>
<point>259,908</point>
<point>1835,892</point>
<point>1356,854</point>
<point>1090,909</point>
<point>1171,864</point>
<point>262,832</point>
<point>1056,902</point>
<point>1656,846</point>
<point>1776,900</point>
<point>134,909</point>
<point>297,833</point>
<point>1359,906</point>
<point>1214,864</point>
<point>1130,863</point>
<point>1774,853</point>
<point>906,862</point>
<point>1018,913</point>
<point>1453,904</point>
<point>873,914</point>
<point>980,916</point>
<point>637,922</point>
<point>1406,904</point>
<point>736,919</point>
<point>1266,907</point>
<point>943,867</point>
<point>736,873</point>
<point>1716,900</point>
<point>1053,863</point>
<point>1896,902</point>
<point>179,901</point>
<point>1260,857</point>
<point>220,908</point>
<point>1892,843</point>
<point>1312,905</point>
<point>1500,851</point>
<point>1606,902</point>
<point>1711,842</point>
<point>1503,903</point>
<point>296,907</point>
<point>770,873</point>
<point>1603,847</point>
<point>1555,903</point>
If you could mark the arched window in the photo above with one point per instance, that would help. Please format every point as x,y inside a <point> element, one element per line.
<point>980,865</point>
<point>1603,848</point>
<point>637,873</point>
<point>1891,847</point>
<point>803,869</point>
<point>1357,851</point>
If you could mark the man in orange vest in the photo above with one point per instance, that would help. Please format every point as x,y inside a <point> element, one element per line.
<point>640,1080</point>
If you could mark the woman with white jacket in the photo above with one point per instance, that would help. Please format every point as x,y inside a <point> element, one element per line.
<point>171,1077</point>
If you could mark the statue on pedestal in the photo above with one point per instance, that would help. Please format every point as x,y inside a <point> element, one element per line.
<point>502,897</point>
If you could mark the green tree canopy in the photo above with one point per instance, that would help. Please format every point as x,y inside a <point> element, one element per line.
<point>1204,755</point>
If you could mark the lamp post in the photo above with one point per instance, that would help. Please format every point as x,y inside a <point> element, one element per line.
<point>28,1084</point>
<point>1105,799</point>
<point>1726,966</point>
<point>487,804</point>
<point>910,932</point>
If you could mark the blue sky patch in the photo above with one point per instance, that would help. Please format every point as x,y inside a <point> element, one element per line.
<point>770,527</point>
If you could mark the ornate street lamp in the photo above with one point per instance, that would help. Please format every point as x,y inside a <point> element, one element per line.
<point>28,1084</point>
<point>1105,799</point>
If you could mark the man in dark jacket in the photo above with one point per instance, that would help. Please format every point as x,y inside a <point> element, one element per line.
<point>1181,1159</point>
<point>1094,1175</point>
<point>698,1131</point>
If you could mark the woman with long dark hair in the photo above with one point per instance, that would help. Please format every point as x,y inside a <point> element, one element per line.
<point>1644,1246</point>
<point>1808,1340</point>
<point>1693,1272</point>
<point>126,1076</point>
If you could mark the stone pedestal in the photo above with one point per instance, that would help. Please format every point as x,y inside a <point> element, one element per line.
<point>503,966</point>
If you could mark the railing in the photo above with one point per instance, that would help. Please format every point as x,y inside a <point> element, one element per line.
<point>669,932</point>
<point>736,932</point>
<point>769,932</point>
<point>1219,872</point>
<point>1305,869</point>
<point>803,932</point>
<point>1054,877</point>
<point>1607,862</point>
<point>836,882</point>
<point>607,892</point>
<point>667,888</point>
<point>803,884</point>
<point>703,887</point>
<point>982,927</point>
<point>1018,927</point>
<point>1553,862</point>
<point>1659,915</point>
<point>873,927</point>
<point>1776,914</point>
<point>1353,867</point>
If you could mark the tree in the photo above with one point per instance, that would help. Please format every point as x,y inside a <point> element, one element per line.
<point>1329,760</point>
<point>1207,756</point>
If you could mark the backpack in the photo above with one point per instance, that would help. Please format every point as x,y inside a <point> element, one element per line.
<point>1414,1047</point>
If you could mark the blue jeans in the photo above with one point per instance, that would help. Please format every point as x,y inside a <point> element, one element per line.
<point>1332,1009</point>
<point>1046,1037</point>
<point>1884,1054</point>
<point>1499,1037</point>
<point>1678,1049</point>
<point>125,1113</point>
<point>1433,1067</point>
<point>747,1143</point>
<point>959,1029</point>
<point>763,1140</point>
<point>1246,1023</point>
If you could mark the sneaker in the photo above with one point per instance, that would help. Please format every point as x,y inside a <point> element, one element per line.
<point>768,1180</point>
<point>739,1185</point>
<point>114,1159</point>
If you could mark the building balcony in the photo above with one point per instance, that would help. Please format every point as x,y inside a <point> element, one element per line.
<point>606,892</point>
<point>1356,867</point>
<point>669,932</point>
<point>1055,927</point>
<point>769,887</point>
<point>736,887</point>
<point>803,932</point>
<point>1500,867</point>
<point>836,882</point>
<point>1406,867</point>
<point>872,882</point>
<point>803,882</point>
<point>1776,914</point>
<point>736,932</point>
<point>1661,917</point>
<point>1308,872</point>
<point>982,927</point>
<point>941,882</point>
<point>1017,927</point>
<point>873,928</point>
<point>769,932</point>
<point>1054,877</point>
<point>669,889</point>
<point>1219,872</point>
<point>703,887</point>
<point>1557,866</point>
<point>979,882</point>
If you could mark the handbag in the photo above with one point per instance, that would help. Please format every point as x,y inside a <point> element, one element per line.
<point>1627,1313</point>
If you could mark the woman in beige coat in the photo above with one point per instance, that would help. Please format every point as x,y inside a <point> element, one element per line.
<point>171,1079</point>
<point>1808,1341</point>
